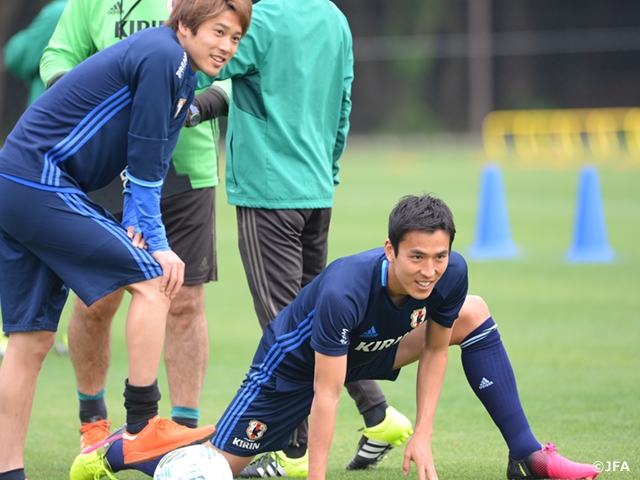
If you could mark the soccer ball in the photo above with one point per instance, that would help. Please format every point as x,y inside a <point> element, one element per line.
<point>196,462</point>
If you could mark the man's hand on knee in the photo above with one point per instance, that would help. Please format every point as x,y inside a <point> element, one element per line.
<point>172,272</point>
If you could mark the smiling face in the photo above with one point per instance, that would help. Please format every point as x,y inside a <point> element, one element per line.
<point>421,260</point>
<point>214,43</point>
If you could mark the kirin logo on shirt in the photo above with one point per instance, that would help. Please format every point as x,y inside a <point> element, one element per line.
<point>256,429</point>
<point>418,317</point>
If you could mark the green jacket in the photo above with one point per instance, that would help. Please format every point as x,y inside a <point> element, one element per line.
<point>23,51</point>
<point>289,114</point>
<point>88,26</point>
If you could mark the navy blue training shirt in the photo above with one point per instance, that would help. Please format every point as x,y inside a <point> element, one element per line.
<point>122,107</point>
<point>347,309</point>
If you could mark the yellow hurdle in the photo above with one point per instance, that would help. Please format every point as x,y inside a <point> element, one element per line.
<point>562,136</point>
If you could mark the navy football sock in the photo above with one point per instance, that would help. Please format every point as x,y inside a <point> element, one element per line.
<point>17,474</point>
<point>115,457</point>
<point>488,370</point>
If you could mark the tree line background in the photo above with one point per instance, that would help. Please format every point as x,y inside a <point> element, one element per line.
<point>431,66</point>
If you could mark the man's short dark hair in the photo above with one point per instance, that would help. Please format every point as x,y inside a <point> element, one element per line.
<point>423,214</point>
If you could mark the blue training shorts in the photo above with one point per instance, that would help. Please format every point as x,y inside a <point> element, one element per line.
<point>268,408</point>
<point>54,241</point>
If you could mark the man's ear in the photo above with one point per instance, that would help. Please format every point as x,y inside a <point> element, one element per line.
<point>184,30</point>
<point>388,251</point>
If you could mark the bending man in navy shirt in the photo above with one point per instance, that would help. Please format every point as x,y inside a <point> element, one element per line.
<point>121,109</point>
<point>365,317</point>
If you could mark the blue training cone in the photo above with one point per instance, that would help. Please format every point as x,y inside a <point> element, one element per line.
<point>493,237</point>
<point>590,243</point>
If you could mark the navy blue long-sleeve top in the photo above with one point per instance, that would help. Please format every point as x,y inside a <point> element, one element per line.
<point>121,108</point>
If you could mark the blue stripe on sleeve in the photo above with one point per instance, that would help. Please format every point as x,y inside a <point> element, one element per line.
<point>83,132</point>
<point>144,183</point>
<point>146,263</point>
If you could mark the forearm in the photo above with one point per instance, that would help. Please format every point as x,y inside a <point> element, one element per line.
<point>212,103</point>
<point>322,422</point>
<point>328,381</point>
<point>432,367</point>
<point>145,202</point>
<point>431,372</point>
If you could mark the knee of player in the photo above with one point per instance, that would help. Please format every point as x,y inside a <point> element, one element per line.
<point>474,311</point>
<point>34,344</point>
<point>149,291</point>
<point>187,305</point>
<point>100,312</point>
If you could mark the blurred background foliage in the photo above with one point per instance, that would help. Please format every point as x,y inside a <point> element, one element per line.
<point>433,66</point>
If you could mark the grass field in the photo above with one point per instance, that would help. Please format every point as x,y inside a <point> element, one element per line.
<point>572,331</point>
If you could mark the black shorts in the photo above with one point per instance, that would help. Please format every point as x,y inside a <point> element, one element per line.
<point>189,219</point>
<point>191,230</point>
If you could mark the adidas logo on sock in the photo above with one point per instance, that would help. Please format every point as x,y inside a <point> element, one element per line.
<point>370,333</point>
<point>485,383</point>
<point>116,9</point>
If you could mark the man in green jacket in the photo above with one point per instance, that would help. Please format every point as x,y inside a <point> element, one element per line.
<point>188,212</point>
<point>287,128</point>
<point>23,51</point>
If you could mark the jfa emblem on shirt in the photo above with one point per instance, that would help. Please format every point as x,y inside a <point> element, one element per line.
<point>418,317</point>
<point>181,103</point>
<point>256,429</point>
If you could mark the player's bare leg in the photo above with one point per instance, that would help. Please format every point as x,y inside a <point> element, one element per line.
<point>473,313</point>
<point>186,350</point>
<point>90,341</point>
<point>90,352</point>
<point>18,377</point>
<point>236,463</point>
<point>148,436</point>
<point>146,320</point>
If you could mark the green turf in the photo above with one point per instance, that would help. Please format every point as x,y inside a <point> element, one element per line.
<point>571,330</point>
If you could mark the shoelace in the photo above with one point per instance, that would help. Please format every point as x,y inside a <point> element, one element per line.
<point>279,461</point>
<point>101,424</point>
<point>100,469</point>
<point>550,447</point>
<point>94,433</point>
<point>166,424</point>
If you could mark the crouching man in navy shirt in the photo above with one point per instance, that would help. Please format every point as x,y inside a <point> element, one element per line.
<point>365,317</point>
